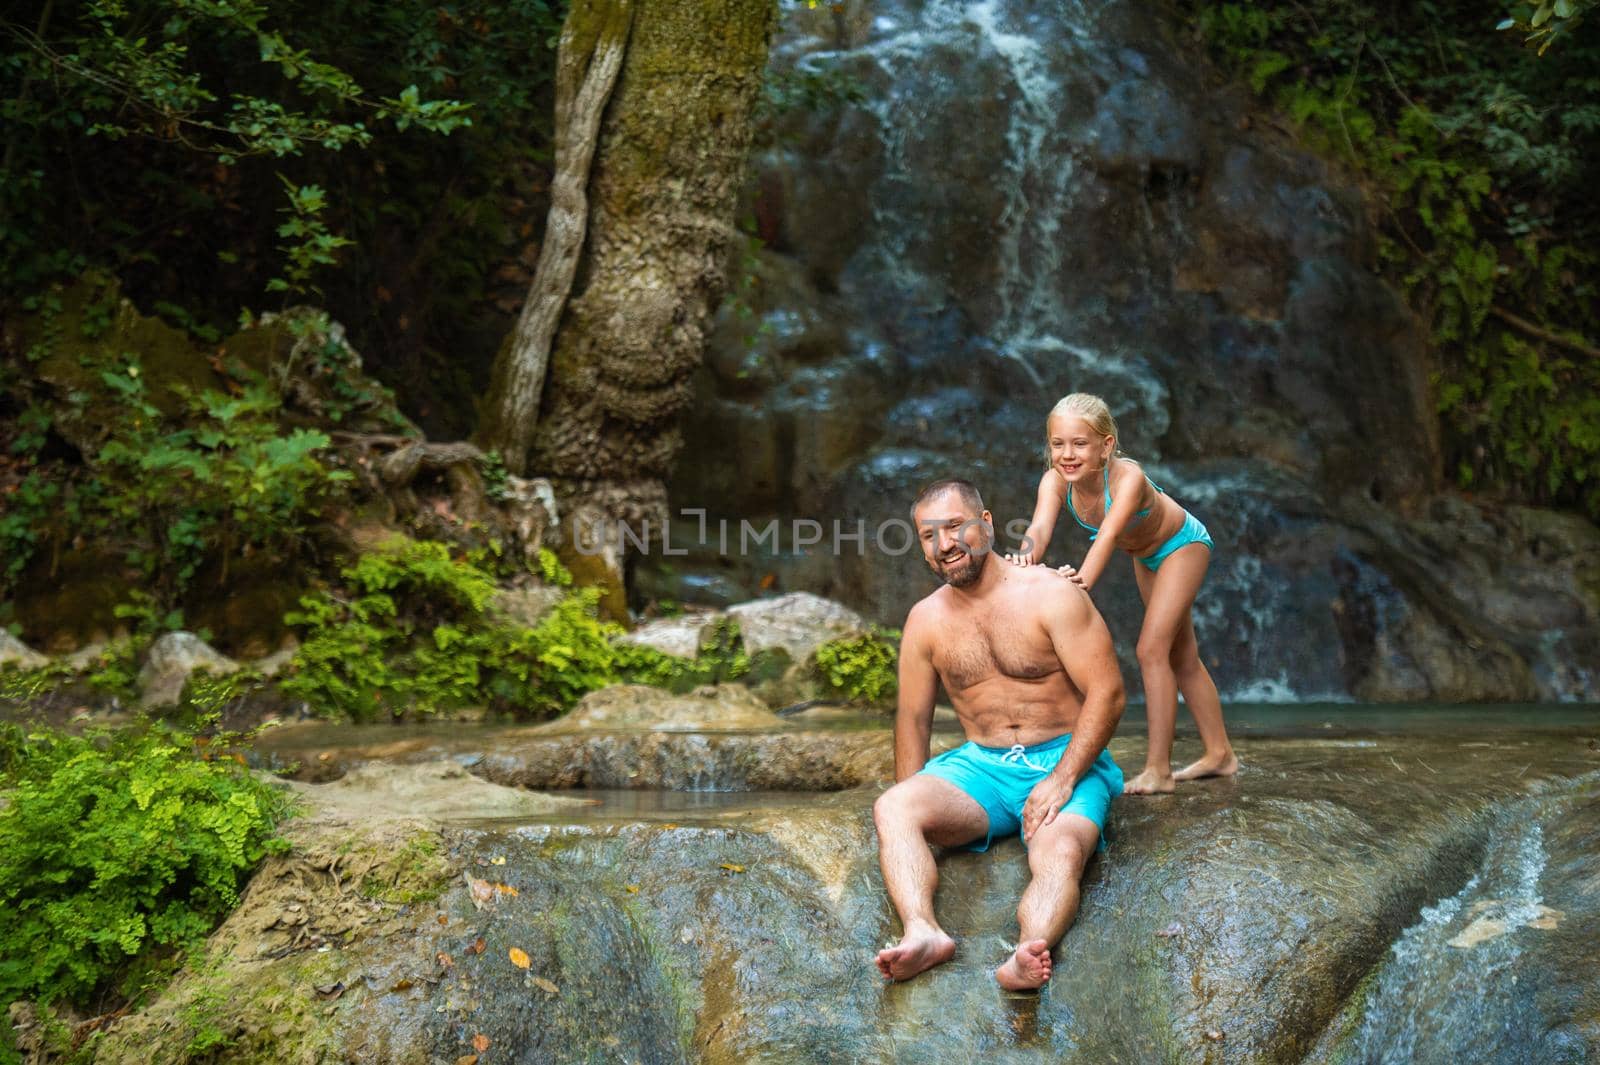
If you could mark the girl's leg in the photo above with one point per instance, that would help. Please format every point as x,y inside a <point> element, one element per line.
<point>1168,595</point>
<point>1200,694</point>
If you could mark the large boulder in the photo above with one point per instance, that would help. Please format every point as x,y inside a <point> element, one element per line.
<point>169,663</point>
<point>678,636</point>
<point>640,708</point>
<point>797,624</point>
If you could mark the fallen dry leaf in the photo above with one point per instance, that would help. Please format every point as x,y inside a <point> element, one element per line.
<point>444,960</point>
<point>402,985</point>
<point>519,958</point>
<point>467,1059</point>
<point>545,985</point>
<point>482,891</point>
<point>477,946</point>
<point>730,867</point>
<point>633,889</point>
<point>480,1042</point>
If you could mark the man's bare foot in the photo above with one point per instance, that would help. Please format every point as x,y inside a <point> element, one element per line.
<point>1027,969</point>
<point>1209,766</point>
<point>1150,782</point>
<point>915,954</point>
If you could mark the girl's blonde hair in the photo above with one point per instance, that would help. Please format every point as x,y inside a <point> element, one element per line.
<point>1093,410</point>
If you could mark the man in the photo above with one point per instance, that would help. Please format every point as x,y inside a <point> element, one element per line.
<point>1028,665</point>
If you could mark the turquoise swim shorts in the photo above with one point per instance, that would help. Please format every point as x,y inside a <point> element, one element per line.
<point>1000,778</point>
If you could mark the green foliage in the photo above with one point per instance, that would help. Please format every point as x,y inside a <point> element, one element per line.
<point>149,138</point>
<point>409,632</point>
<point>551,571</point>
<point>1546,22</point>
<point>30,510</point>
<point>721,658</point>
<point>228,479</point>
<point>1483,156</point>
<point>862,668</point>
<point>308,244</point>
<point>114,845</point>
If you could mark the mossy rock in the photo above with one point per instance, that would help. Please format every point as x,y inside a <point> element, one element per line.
<point>591,571</point>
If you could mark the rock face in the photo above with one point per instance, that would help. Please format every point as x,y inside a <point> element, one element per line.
<point>797,624</point>
<point>15,654</point>
<point>679,636</point>
<point>1111,223</point>
<point>638,707</point>
<point>1346,898</point>
<point>170,661</point>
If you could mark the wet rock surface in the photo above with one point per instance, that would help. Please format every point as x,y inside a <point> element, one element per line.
<point>1117,220</point>
<point>1327,905</point>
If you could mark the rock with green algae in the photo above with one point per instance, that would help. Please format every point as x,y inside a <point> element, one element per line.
<point>1230,922</point>
<point>315,964</point>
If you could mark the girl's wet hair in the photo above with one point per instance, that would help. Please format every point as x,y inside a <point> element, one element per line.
<point>1093,410</point>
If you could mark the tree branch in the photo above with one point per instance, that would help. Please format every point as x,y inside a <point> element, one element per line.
<point>1525,326</point>
<point>586,72</point>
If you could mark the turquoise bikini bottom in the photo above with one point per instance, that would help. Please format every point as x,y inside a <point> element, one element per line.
<point>1192,533</point>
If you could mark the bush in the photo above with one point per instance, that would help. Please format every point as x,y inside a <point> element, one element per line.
<point>115,845</point>
<point>862,668</point>
<point>1482,159</point>
<point>409,631</point>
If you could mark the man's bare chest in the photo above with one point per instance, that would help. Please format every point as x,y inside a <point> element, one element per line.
<point>971,652</point>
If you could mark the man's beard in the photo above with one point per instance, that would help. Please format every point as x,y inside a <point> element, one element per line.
<point>971,568</point>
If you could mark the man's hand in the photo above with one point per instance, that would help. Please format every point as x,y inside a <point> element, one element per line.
<point>1044,803</point>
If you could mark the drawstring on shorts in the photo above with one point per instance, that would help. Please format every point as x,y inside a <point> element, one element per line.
<point>1019,753</point>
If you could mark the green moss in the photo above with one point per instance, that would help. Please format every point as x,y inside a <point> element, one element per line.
<point>418,872</point>
<point>862,668</point>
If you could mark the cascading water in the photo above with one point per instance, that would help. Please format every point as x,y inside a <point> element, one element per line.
<point>1025,200</point>
<point>1480,975</point>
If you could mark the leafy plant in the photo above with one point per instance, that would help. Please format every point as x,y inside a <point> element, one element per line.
<point>409,631</point>
<point>308,242</point>
<point>1482,157</point>
<point>113,845</point>
<point>862,668</point>
<point>230,482</point>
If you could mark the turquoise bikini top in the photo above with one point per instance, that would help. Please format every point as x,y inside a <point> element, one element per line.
<point>1138,516</point>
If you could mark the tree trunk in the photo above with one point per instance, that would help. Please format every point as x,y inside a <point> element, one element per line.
<point>593,42</point>
<point>663,193</point>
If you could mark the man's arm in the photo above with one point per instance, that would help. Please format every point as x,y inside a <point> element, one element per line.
<point>913,719</point>
<point>1083,644</point>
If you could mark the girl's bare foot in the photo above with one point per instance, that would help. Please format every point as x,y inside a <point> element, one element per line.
<point>1150,782</point>
<point>914,954</point>
<point>1027,969</point>
<point>1224,765</point>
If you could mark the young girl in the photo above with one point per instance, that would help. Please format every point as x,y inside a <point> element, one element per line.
<point>1122,508</point>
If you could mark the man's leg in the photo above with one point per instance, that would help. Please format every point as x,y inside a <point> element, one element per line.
<point>1057,854</point>
<point>910,816</point>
